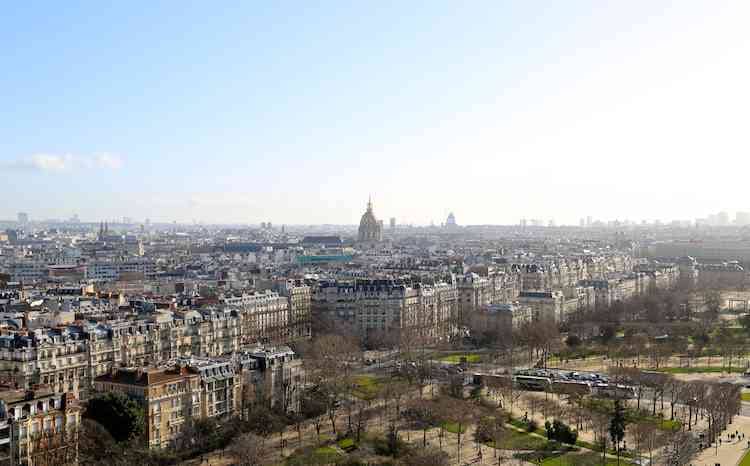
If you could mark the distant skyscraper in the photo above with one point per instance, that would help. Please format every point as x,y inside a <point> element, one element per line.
<point>742,218</point>
<point>393,222</point>
<point>582,223</point>
<point>23,218</point>
<point>450,222</point>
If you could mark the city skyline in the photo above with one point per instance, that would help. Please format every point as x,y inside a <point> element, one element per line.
<point>721,218</point>
<point>296,113</point>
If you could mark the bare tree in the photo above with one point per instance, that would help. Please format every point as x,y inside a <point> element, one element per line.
<point>427,457</point>
<point>680,448</point>
<point>247,449</point>
<point>420,413</point>
<point>644,436</point>
<point>600,426</point>
<point>459,414</point>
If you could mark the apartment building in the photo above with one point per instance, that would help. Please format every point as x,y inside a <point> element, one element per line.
<point>68,358</point>
<point>220,386</point>
<point>386,305</point>
<point>200,388</point>
<point>38,427</point>
<point>474,292</point>
<point>170,397</point>
<point>299,298</point>
<point>53,357</point>
<point>271,374</point>
<point>264,316</point>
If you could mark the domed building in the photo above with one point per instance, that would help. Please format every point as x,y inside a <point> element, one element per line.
<point>370,228</point>
<point>451,221</point>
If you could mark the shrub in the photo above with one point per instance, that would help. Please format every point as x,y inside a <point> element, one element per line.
<point>573,341</point>
<point>561,432</point>
<point>532,426</point>
<point>390,445</point>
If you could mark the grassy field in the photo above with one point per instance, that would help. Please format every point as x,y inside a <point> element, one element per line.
<point>745,396</point>
<point>633,416</point>
<point>521,441</point>
<point>452,427</point>
<point>319,456</point>
<point>670,425</point>
<point>366,387</point>
<point>581,459</point>
<point>471,358</point>
<point>346,443</point>
<point>522,425</point>
<point>698,370</point>
<point>745,461</point>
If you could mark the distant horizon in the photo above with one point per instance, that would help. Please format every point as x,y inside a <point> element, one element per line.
<point>114,222</point>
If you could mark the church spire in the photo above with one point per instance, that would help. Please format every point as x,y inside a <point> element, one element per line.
<point>369,203</point>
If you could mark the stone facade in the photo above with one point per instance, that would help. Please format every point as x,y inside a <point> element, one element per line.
<point>389,306</point>
<point>38,427</point>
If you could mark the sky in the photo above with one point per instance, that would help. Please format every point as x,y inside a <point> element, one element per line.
<point>295,112</point>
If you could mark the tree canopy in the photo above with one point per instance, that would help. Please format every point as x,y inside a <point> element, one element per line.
<point>122,416</point>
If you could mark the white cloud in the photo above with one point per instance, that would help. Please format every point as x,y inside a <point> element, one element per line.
<point>50,162</point>
<point>107,160</point>
<point>55,163</point>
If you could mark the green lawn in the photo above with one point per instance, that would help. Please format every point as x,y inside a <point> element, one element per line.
<point>346,443</point>
<point>523,425</point>
<point>745,461</point>
<point>597,449</point>
<point>472,358</point>
<point>698,370</point>
<point>319,456</point>
<point>366,387</point>
<point>633,416</point>
<point>581,459</point>
<point>326,451</point>
<point>670,425</point>
<point>520,441</point>
<point>745,396</point>
<point>452,427</point>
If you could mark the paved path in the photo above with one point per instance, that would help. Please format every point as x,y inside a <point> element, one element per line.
<point>729,453</point>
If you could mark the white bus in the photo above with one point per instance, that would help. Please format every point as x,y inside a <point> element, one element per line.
<point>571,387</point>
<point>622,392</point>
<point>529,382</point>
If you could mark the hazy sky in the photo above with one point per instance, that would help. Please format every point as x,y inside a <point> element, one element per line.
<point>294,112</point>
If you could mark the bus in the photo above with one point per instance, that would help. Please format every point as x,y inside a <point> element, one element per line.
<point>529,382</point>
<point>622,392</point>
<point>571,387</point>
